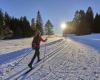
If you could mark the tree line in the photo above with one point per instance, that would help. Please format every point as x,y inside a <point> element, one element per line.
<point>12,27</point>
<point>37,24</point>
<point>84,23</point>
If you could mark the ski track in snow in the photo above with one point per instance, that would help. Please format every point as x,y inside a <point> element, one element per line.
<point>8,46</point>
<point>10,68</point>
<point>76,61</point>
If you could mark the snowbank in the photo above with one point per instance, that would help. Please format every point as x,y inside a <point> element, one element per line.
<point>92,40</point>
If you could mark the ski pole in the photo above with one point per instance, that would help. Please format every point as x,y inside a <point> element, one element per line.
<point>21,59</point>
<point>44,49</point>
<point>44,52</point>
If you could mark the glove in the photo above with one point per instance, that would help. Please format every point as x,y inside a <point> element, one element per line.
<point>46,39</point>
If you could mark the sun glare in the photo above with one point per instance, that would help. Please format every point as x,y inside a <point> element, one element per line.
<point>63,25</point>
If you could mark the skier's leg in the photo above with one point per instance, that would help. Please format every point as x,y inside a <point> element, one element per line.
<point>38,54</point>
<point>30,64</point>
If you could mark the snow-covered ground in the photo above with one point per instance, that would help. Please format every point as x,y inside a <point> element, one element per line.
<point>72,58</point>
<point>75,62</point>
<point>7,46</point>
<point>19,64</point>
<point>12,49</point>
<point>92,40</point>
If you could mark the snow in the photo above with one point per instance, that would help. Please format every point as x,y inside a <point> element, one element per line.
<point>71,58</point>
<point>10,70</point>
<point>12,49</point>
<point>7,46</point>
<point>92,40</point>
<point>75,62</point>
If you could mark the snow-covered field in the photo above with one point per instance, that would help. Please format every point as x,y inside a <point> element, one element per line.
<point>75,62</point>
<point>7,46</point>
<point>12,49</point>
<point>72,58</point>
<point>92,40</point>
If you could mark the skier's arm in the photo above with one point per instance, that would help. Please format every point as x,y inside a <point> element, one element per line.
<point>43,39</point>
<point>33,40</point>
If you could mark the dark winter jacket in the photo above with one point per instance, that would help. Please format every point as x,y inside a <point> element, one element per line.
<point>36,41</point>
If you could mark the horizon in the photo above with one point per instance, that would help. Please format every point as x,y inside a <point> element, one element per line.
<point>49,9</point>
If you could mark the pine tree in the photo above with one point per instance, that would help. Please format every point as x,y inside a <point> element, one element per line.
<point>21,27</point>
<point>3,30</point>
<point>39,23</point>
<point>83,22</point>
<point>11,25</point>
<point>7,19</point>
<point>1,22</point>
<point>33,24</point>
<point>79,22</point>
<point>25,27</point>
<point>89,19</point>
<point>49,28</point>
<point>96,28</point>
<point>15,27</point>
<point>1,17</point>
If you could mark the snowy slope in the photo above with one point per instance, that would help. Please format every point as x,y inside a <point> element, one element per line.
<point>76,61</point>
<point>72,58</point>
<point>7,46</point>
<point>12,49</point>
<point>92,40</point>
<point>20,63</point>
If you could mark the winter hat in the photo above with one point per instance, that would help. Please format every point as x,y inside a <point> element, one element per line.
<point>38,33</point>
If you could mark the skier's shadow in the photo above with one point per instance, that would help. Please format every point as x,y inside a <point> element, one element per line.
<point>25,74</point>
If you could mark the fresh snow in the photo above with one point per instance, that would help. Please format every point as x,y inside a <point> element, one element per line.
<point>7,46</point>
<point>70,58</point>
<point>92,40</point>
<point>23,47</point>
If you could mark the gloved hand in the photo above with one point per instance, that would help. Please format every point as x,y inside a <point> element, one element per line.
<point>46,39</point>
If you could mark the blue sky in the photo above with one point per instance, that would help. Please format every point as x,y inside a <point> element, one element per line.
<point>55,10</point>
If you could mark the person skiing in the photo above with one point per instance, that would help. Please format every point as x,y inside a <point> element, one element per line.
<point>36,45</point>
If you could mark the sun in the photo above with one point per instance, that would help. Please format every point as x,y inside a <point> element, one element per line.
<point>63,25</point>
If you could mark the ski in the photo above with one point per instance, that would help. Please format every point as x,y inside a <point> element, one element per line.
<point>23,75</point>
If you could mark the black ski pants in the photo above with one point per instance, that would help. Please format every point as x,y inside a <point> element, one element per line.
<point>37,54</point>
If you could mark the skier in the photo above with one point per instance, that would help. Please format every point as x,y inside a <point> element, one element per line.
<point>36,45</point>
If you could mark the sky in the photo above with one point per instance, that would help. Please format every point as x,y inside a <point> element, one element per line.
<point>57,11</point>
